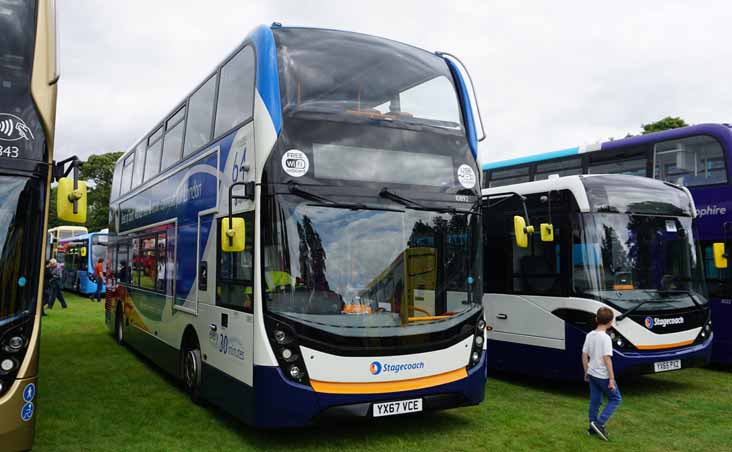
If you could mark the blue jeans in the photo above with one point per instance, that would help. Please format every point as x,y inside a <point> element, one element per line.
<point>100,284</point>
<point>598,387</point>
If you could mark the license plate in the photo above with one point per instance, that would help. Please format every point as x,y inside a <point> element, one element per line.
<point>664,366</point>
<point>400,407</point>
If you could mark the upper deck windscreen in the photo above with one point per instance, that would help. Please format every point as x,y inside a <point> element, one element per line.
<point>349,74</point>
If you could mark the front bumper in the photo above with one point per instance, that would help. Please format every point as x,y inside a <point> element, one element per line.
<point>280,402</point>
<point>636,363</point>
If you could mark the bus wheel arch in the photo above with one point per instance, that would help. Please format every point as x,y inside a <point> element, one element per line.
<point>191,364</point>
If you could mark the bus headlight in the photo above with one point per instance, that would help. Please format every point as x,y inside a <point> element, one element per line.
<point>279,336</point>
<point>295,372</point>
<point>7,365</point>
<point>15,344</point>
<point>481,325</point>
<point>618,340</point>
<point>479,341</point>
<point>475,357</point>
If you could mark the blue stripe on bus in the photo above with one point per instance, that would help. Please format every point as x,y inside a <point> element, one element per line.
<point>268,81</point>
<point>467,108</point>
<point>532,158</point>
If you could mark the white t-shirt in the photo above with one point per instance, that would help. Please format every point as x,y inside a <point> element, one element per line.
<point>598,345</point>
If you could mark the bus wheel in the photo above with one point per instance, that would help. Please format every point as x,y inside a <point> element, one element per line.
<point>192,372</point>
<point>119,332</point>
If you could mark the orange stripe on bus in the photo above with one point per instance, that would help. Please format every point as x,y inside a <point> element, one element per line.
<point>388,386</point>
<point>660,347</point>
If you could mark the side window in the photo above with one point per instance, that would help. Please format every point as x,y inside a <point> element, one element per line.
<point>566,167</point>
<point>630,167</point>
<point>139,165</point>
<point>173,142</point>
<point>136,263</point>
<point>117,179</point>
<point>200,117</point>
<point>508,176</point>
<point>719,280</point>
<point>127,173</point>
<point>161,263</point>
<point>147,269</point>
<point>236,91</point>
<point>691,161</point>
<point>152,160</point>
<point>235,272</point>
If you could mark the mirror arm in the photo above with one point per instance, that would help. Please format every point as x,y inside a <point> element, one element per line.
<point>506,196</point>
<point>248,195</point>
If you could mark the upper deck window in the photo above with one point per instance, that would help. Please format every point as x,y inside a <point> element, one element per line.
<point>140,166</point>
<point>127,174</point>
<point>509,176</point>
<point>358,76</point>
<point>692,161</point>
<point>173,139</point>
<point>200,117</point>
<point>567,167</point>
<point>629,167</point>
<point>236,91</point>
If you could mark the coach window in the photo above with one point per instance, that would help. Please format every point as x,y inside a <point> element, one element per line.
<point>200,117</point>
<point>139,164</point>
<point>236,91</point>
<point>124,269</point>
<point>509,176</point>
<point>136,263</point>
<point>117,179</point>
<point>630,167</point>
<point>154,148</point>
<point>567,167</point>
<point>147,267</point>
<point>235,272</point>
<point>127,174</point>
<point>691,161</point>
<point>173,142</point>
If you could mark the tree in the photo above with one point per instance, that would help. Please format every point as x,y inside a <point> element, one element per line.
<point>664,124</point>
<point>98,170</point>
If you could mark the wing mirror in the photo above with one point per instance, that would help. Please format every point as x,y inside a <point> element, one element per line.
<point>522,231</point>
<point>547,232</point>
<point>720,255</point>
<point>233,230</point>
<point>71,192</point>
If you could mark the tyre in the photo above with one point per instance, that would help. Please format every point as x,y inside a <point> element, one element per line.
<point>119,332</point>
<point>192,372</point>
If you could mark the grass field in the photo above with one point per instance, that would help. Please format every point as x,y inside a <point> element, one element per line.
<point>97,396</point>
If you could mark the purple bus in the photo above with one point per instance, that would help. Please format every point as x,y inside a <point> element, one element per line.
<point>697,157</point>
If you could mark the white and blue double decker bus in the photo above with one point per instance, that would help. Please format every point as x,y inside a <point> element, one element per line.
<point>616,241</point>
<point>298,238</point>
<point>78,256</point>
<point>698,157</point>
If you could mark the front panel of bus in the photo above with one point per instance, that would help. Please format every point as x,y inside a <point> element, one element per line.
<point>27,104</point>
<point>633,251</point>
<point>368,242</point>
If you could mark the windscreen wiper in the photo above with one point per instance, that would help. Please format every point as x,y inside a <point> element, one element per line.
<point>414,205</point>
<point>321,201</point>
<point>683,291</point>
<point>635,308</point>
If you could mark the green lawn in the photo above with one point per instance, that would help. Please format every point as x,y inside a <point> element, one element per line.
<point>97,396</point>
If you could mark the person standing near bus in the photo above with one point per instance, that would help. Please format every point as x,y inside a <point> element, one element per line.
<point>56,285</point>
<point>99,277</point>
<point>597,361</point>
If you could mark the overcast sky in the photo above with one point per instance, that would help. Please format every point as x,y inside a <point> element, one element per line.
<point>549,75</point>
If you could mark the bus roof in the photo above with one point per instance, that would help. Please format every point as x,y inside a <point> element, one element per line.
<point>719,131</point>
<point>82,237</point>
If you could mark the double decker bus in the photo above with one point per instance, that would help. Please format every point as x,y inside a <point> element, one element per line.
<point>697,157</point>
<point>585,242</point>
<point>61,233</point>
<point>271,197</point>
<point>78,255</point>
<point>28,76</point>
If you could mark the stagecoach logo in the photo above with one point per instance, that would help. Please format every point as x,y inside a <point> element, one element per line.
<point>466,176</point>
<point>376,367</point>
<point>663,323</point>
<point>12,128</point>
<point>295,163</point>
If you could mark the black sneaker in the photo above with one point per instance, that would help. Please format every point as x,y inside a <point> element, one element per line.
<point>599,430</point>
<point>591,432</point>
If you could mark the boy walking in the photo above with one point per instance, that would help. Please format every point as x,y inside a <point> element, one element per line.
<point>598,364</point>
